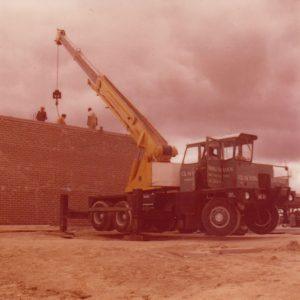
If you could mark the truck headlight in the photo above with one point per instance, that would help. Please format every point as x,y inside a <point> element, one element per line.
<point>291,197</point>
<point>247,196</point>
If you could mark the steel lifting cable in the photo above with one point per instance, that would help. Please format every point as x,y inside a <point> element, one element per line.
<point>57,94</point>
<point>57,70</point>
<point>57,66</point>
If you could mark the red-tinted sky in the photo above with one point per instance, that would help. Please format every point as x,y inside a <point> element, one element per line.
<point>194,68</point>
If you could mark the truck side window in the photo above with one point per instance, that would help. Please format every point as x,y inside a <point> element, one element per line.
<point>244,152</point>
<point>212,153</point>
<point>191,155</point>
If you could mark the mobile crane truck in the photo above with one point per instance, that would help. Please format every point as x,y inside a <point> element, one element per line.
<point>216,189</point>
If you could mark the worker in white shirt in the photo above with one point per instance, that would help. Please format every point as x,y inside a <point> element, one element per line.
<point>92,120</point>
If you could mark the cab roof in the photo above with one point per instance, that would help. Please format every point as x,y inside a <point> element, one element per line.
<point>242,138</point>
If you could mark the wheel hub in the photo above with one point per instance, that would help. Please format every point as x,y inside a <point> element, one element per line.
<point>263,218</point>
<point>98,218</point>
<point>219,217</point>
<point>122,218</point>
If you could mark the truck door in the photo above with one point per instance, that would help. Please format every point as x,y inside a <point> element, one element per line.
<point>189,167</point>
<point>213,157</point>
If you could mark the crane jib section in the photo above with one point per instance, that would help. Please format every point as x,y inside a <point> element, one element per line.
<point>154,146</point>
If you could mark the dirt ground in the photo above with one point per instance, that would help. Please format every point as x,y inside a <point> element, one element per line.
<point>38,263</point>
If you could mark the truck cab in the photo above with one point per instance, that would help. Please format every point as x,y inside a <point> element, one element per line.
<point>231,190</point>
<point>224,163</point>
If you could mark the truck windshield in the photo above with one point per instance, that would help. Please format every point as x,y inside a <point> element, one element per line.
<point>191,155</point>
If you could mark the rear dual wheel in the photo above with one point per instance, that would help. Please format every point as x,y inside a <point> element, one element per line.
<point>123,219</point>
<point>102,221</point>
<point>106,221</point>
<point>220,218</point>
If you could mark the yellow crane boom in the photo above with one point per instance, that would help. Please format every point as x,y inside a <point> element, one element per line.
<point>152,146</point>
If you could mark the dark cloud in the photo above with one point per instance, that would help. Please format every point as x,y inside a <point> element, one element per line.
<point>194,68</point>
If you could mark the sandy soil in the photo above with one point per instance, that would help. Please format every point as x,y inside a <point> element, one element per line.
<point>43,265</point>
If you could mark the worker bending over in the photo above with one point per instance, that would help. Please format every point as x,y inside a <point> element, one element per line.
<point>62,119</point>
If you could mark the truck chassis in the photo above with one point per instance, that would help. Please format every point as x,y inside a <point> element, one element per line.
<point>216,212</point>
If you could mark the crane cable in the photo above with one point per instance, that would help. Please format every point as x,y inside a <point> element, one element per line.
<point>57,94</point>
<point>57,73</point>
<point>57,65</point>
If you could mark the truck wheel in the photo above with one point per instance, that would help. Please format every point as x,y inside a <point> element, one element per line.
<point>219,217</point>
<point>101,221</point>
<point>123,219</point>
<point>262,220</point>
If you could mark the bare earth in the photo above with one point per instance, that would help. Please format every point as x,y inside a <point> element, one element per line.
<point>42,264</point>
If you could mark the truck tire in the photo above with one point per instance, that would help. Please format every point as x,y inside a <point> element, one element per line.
<point>220,218</point>
<point>123,220</point>
<point>101,221</point>
<point>263,219</point>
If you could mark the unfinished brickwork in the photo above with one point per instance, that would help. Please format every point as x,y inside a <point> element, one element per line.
<point>39,161</point>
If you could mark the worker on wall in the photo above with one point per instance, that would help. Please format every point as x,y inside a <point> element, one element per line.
<point>41,115</point>
<point>92,120</point>
<point>62,119</point>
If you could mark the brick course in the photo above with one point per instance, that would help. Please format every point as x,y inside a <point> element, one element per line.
<point>39,161</point>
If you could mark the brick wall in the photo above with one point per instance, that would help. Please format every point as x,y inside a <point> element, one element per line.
<point>39,161</point>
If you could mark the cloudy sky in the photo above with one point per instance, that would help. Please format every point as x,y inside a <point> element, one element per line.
<point>194,68</point>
